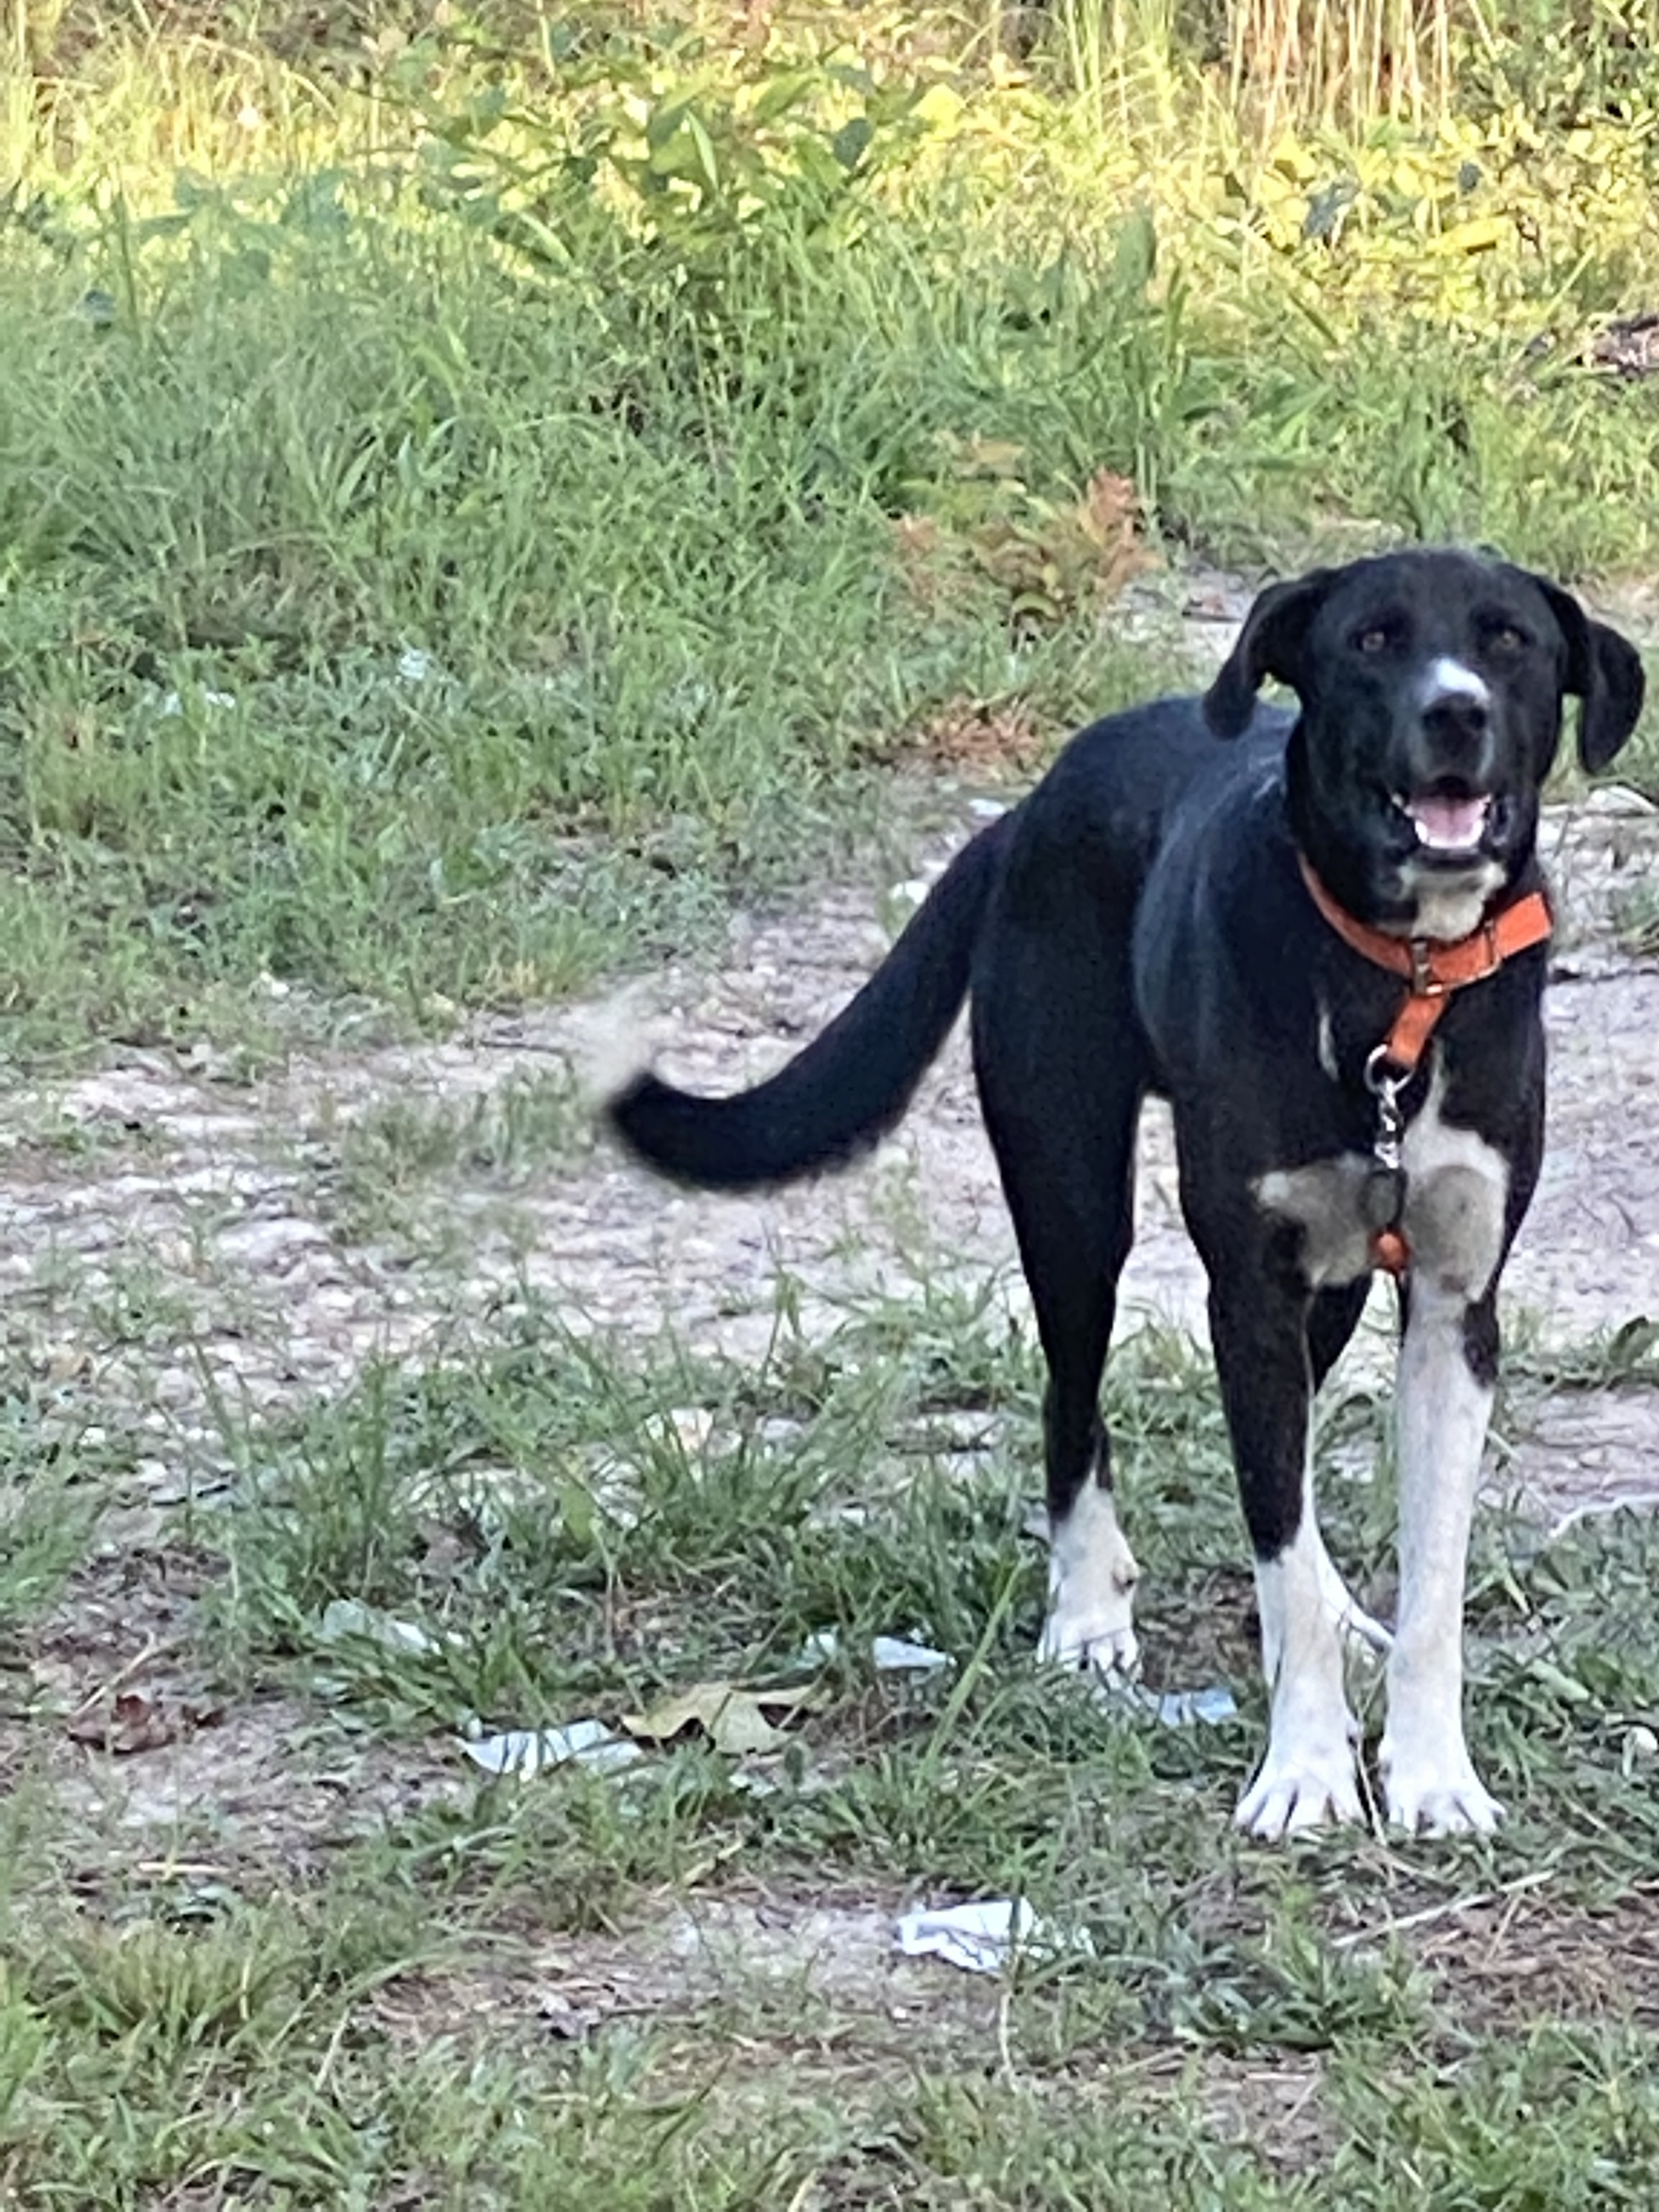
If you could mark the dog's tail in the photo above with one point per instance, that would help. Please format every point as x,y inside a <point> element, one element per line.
<point>849,1087</point>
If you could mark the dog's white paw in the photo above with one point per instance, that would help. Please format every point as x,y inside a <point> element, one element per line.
<point>1092,1639</point>
<point>1092,1575</point>
<point>1434,1790</point>
<point>1307,1783</point>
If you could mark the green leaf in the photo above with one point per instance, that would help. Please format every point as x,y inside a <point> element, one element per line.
<point>851,141</point>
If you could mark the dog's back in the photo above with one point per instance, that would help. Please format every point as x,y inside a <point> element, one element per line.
<point>1118,786</point>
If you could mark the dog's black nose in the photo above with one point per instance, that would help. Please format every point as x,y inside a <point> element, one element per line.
<point>1454,738</point>
<point>1457,721</point>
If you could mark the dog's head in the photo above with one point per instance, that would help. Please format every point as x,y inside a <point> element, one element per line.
<point>1431,685</point>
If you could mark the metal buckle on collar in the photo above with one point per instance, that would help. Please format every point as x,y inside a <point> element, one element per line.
<point>1425,984</point>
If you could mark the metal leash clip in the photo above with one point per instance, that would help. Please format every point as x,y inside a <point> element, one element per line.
<point>1384,1200</point>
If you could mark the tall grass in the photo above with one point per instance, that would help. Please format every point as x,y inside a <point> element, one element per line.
<point>695,419</point>
<point>1313,61</point>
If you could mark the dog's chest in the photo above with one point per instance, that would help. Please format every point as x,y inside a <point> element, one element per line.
<point>1456,1189</point>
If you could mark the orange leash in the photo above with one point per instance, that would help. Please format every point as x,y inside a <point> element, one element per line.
<point>1433,971</point>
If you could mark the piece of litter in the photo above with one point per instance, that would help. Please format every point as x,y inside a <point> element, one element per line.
<point>889,1655</point>
<point>988,809</point>
<point>344,1617</point>
<point>1173,1708</point>
<point>414,666</point>
<point>569,2023</point>
<point>524,1751</point>
<point>897,1655</point>
<point>982,1938</point>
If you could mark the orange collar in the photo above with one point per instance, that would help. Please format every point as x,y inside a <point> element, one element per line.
<point>1434,970</point>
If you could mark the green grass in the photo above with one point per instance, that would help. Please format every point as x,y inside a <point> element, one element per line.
<point>572,1519</point>
<point>376,1171</point>
<point>288,2003</point>
<point>444,559</point>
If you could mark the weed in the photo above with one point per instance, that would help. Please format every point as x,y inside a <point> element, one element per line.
<point>50,1499</point>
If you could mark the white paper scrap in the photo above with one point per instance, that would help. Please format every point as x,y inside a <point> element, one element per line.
<point>897,1655</point>
<point>890,1655</point>
<point>982,1938</point>
<point>525,1752</point>
<point>1171,1708</point>
<point>345,1617</point>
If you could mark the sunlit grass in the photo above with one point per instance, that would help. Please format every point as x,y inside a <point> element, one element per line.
<point>322,364</point>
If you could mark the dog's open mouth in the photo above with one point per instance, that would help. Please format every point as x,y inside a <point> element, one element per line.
<point>1449,818</point>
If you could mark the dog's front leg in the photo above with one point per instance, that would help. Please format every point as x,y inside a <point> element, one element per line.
<point>1309,1776</point>
<point>1464,1198</point>
<point>1448,1365</point>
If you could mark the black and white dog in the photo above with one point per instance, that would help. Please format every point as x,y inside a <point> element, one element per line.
<point>1323,943</point>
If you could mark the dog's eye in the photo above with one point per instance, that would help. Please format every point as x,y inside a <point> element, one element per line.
<point>1507,637</point>
<point>1376,637</point>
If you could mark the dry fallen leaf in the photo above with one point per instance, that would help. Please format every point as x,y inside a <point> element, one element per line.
<point>727,1713</point>
<point>134,1722</point>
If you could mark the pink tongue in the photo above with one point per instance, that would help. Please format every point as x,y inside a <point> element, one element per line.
<point>1452,823</point>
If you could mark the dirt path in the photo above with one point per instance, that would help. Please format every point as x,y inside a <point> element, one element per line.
<point>163,1233</point>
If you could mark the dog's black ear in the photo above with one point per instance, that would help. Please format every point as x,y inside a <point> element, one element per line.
<point>1270,644</point>
<point>1604,671</point>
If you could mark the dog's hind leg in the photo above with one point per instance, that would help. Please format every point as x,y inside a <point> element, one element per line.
<point>1092,1572</point>
<point>1059,1070</point>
